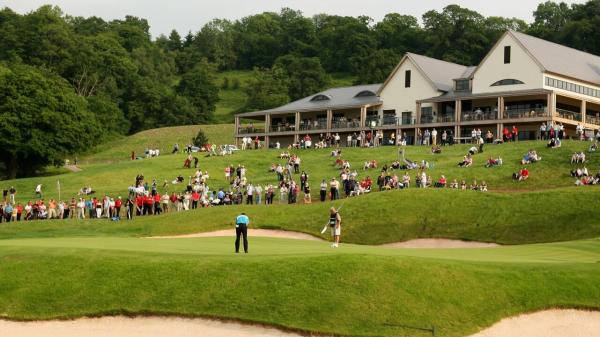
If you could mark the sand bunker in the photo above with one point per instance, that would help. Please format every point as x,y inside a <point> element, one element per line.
<point>549,323</point>
<point>269,233</point>
<point>440,243</point>
<point>137,327</point>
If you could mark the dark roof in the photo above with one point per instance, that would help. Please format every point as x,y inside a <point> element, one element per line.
<point>454,95</point>
<point>343,97</point>
<point>560,59</point>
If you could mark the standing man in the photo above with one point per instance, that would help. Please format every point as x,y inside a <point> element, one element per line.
<point>241,228</point>
<point>38,191</point>
<point>335,222</point>
<point>13,191</point>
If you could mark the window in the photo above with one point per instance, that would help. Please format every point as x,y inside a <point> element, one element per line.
<point>320,97</point>
<point>568,86</point>
<point>462,85</point>
<point>407,79</point>
<point>507,81</point>
<point>365,93</point>
<point>506,54</point>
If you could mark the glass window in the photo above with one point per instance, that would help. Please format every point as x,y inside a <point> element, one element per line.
<point>506,54</point>
<point>407,79</point>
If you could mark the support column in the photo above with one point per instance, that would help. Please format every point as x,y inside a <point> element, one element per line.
<point>498,131</point>
<point>417,114</point>
<point>457,110</point>
<point>329,121</point>
<point>297,128</point>
<point>500,108</point>
<point>363,116</point>
<point>552,107</point>
<point>583,110</point>
<point>267,123</point>
<point>415,138</point>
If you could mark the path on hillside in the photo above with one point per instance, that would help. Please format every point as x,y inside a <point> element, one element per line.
<point>73,168</point>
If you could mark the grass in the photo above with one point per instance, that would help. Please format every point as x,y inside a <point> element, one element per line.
<point>163,139</point>
<point>69,268</point>
<point>300,285</point>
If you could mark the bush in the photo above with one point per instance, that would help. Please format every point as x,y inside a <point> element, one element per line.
<point>225,84</point>
<point>200,139</point>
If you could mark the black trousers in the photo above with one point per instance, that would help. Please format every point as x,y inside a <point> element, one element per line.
<point>241,230</point>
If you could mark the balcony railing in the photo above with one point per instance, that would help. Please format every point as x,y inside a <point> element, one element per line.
<point>592,119</point>
<point>345,124</point>
<point>468,116</point>
<point>526,113</point>
<point>314,125</point>
<point>282,128</point>
<point>429,119</point>
<point>250,129</point>
<point>567,114</point>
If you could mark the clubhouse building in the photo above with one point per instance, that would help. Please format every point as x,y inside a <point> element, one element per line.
<point>523,81</point>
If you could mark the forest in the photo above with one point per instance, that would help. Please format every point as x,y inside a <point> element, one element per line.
<point>68,83</point>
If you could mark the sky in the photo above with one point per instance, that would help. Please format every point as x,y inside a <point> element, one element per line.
<point>190,15</point>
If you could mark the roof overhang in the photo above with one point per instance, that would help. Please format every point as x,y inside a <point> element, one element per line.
<point>468,96</point>
<point>325,108</point>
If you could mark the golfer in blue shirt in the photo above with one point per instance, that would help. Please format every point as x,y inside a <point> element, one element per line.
<point>241,228</point>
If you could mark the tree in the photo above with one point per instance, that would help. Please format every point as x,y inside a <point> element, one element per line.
<point>266,89</point>
<point>305,75</point>
<point>377,67</point>
<point>199,87</point>
<point>200,139</point>
<point>550,19</point>
<point>41,119</point>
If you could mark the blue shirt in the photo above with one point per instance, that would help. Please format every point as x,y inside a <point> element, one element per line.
<point>242,220</point>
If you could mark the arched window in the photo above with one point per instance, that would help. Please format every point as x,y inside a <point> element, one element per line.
<point>507,81</point>
<point>365,93</point>
<point>320,97</point>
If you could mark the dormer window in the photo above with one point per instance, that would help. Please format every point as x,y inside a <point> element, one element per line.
<point>461,84</point>
<point>365,93</point>
<point>320,97</point>
<point>507,81</point>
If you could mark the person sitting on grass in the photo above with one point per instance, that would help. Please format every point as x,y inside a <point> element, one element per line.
<point>454,184</point>
<point>530,157</point>
<point>578,157</point>
<point>483,187</point>
<point>522,175</point>
<point>586,180</point>
<point>593,147</point>
<point>554,143</point>
<point>473,150</point>
<point>493,162</point>
<point>467,161</point>
<point>436,149</point>
<point>441,183</point>
<point>395,165</point>
<point>580,172</point>
<point>463,185</point>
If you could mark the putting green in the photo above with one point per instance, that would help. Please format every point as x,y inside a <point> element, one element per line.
<point>585,251</point>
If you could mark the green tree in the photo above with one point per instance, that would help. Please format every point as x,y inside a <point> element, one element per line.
<point>305,75</point>
<point>266,89</point>
<point>41,119</point>
<point>377,67</point>
<point>200,139</point>
<point>199,87</point>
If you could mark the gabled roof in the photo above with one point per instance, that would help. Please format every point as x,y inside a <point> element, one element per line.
<point>561,60</point>
<point>440,74</point>
<point>342,97</point>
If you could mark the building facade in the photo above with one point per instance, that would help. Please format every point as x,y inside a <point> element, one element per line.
<point>523,81</point>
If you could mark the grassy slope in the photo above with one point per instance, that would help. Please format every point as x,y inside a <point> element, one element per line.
<point>355,290</point>
<point>540,216</point>
<point>163,139</point>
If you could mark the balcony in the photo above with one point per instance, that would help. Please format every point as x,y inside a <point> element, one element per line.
<point>242,130</point>
<point>568,114</point>
<point>592,119</point>
<point>431,119</point>
<point>319,124</point>
<point>526,113</point>
<point>478,115</point>
<point>343,123</point>
<point>282,128</point>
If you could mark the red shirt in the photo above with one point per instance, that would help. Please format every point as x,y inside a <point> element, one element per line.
<point>139,201</point>
<point>148,200</point>
<point>118,203</point>
<point>525,172</point>
<point>173,198</point>
<point>157,198</point>
<point>195,196</point>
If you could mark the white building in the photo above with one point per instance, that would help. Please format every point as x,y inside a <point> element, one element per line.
<point>523,81</point>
